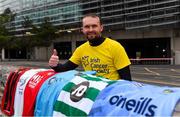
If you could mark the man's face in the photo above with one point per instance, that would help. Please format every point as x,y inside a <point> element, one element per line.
<point>91,27</point>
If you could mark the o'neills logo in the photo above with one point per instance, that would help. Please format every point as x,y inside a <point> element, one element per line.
<point>141,106</point>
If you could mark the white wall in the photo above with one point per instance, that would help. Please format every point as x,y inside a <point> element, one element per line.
<point>42,53</point>
<point>177,57</point>
<point>177,50</point>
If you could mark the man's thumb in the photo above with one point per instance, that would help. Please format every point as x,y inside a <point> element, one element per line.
<point>55,52</point>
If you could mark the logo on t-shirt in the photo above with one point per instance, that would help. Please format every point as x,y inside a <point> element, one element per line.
<point>85,61</point>
<point>22,82</point>
<point>141,106</point>
<point>95,64</point>
<point>52,80</point>
<point>168,91</point>
<point>78,91</point>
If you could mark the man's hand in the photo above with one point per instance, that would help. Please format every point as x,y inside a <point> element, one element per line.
<point>54,60</point>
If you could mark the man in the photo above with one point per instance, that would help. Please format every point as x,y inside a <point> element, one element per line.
<point>103,55</point>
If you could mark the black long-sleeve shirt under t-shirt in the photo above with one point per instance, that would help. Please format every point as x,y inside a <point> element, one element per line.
<point>124,72</point>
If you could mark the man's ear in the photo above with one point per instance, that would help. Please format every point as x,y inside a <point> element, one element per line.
<point>102,28</point>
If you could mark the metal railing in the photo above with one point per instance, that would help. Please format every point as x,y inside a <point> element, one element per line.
<point>152,61</point>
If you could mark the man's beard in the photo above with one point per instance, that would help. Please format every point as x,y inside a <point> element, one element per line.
<point>92,36</point>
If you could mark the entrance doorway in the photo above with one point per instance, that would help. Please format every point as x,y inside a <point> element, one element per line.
<point>15,53</point>
<point>64,49</point>
<point>148,49</point>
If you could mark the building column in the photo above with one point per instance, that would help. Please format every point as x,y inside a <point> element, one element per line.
<point>73,43</point>
<point>172,47</point>
<point>176,48</point>
<point>3,54</point>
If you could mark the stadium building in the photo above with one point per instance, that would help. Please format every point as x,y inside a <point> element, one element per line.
<point>148,29</point>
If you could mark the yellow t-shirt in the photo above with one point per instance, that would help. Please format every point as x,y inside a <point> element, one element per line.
<point>105,59</point>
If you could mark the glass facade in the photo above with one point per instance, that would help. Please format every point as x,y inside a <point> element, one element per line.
<point>14,5</point>
<point>62,13</point>
<point>151,13</point>
<point>116,14</point>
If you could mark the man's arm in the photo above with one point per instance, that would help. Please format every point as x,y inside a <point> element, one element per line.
<point>54,63</point>
<point>64,67</point>
<point>125,73</point>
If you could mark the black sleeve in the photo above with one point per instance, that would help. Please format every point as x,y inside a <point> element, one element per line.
<point>65,67</point>
<point>125,73</point>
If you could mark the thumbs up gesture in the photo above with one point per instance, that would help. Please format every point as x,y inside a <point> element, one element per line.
<point>54,60</point>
